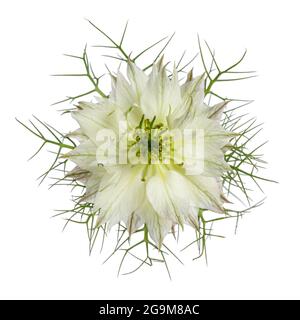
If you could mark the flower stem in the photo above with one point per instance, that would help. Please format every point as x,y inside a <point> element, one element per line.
<point>146,239</point>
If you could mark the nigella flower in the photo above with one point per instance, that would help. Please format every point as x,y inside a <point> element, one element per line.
<point>146,189</point>
<point>156,153</point>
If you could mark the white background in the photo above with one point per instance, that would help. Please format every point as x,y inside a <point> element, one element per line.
<point>37,260</point>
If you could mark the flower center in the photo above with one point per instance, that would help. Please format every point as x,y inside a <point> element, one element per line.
<point>151,142</point>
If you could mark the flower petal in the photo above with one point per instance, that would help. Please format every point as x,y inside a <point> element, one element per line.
<point>119,195</point>
<point>157,225</point>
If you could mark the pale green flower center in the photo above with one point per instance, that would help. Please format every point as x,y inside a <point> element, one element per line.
<point>151,142</point>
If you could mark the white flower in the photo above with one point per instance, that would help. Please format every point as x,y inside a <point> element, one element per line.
<point>159,195</point>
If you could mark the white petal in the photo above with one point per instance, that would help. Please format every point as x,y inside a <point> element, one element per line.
<point>133,223</point>
<point>216,111</point>
<point>160,196</point>
<point>84,156</point>
<point>137,78</point>
<point>94,117</point>
<point>124,93</point>
<point>157,225</point>
<point>210,190</point>
<point>119,195</point>
<point>192,94</point>
<point>155,99</point>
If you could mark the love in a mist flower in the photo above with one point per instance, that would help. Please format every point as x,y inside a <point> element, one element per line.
<point>155,154</point>
<point>145,189</point>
